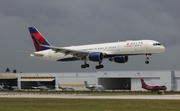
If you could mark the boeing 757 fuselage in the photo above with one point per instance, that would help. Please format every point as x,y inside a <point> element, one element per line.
<point>118,52</point>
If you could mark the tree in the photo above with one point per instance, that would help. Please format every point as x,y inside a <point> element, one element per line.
<point>7,70</point>
<point>14,71</point>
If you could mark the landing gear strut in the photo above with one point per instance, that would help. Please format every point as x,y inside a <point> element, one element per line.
<point>85,65</point>
<point>99,66</point>
<point>147,58</point>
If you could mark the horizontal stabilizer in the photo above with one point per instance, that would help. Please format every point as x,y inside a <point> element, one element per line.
<point>33,53</point>
<point>24,52</point>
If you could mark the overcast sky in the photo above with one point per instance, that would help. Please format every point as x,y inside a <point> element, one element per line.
<point>78,22</point>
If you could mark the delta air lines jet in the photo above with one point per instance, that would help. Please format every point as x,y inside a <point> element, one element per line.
<point>118,52</point>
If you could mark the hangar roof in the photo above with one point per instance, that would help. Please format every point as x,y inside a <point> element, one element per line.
<point>37,78</point>
<point>8,76</point>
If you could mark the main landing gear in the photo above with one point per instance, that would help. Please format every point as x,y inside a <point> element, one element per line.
<point>147,58</point>
<point>99,66</point>
<point>85,65</point>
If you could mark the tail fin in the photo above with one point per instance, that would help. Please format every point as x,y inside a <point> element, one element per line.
<point>86,84</point>
<point>143,83</point>
<point>59,86</point>
<point>38,83</point>
<point>37,39</point>
<point>5,85</point>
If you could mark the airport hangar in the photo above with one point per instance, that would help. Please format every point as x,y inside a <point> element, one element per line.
<point>111,80</point>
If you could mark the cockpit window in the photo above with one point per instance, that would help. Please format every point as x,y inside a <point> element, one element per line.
<point>156,44</point>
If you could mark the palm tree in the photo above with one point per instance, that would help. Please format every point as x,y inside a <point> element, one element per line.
<point>7,70</point>
<point>14,71</point>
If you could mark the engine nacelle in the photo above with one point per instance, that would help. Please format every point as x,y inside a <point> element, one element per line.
<point>95,56</point>
<point>119,59</point>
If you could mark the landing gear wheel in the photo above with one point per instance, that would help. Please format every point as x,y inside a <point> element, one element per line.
<point>97,67</point>
<point>147,62</point>
<point>101,66</point>
<point>83,66</point>
<point>87,65</point>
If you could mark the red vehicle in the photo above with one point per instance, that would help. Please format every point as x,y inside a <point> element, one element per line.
<point>152,88</point>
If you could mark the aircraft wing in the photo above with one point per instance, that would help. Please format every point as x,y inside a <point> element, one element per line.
<point>76,53</point>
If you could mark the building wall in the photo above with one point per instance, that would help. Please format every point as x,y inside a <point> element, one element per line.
<point>171,79</point>
<point>150,77</point>
<point>76,80</point>
<point>177,80</point>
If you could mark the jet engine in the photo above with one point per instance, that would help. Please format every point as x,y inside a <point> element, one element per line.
<point>95,56</point>
<point>119,59</point>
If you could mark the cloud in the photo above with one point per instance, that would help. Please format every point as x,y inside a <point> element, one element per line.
<point>77,22</point>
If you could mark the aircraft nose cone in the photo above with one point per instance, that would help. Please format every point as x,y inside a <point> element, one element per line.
<point>162,48</point>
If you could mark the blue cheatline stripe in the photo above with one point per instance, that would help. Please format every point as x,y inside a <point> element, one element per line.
<point>107,56</point>
<point>69,59</point>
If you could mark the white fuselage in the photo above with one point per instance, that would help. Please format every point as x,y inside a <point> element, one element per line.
<point>96,87</point>
<point>138,47</point>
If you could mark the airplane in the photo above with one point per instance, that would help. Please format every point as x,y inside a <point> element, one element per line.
<point>5,86</point>
<point>40,86</point>
<point>94,87</point>
<point>66,88</point>
<point>118,52</point>
<point>152,88</point>
<point>1,86</point>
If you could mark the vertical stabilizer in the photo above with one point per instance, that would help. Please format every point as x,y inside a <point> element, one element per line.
<point>38,83</point>
<point>38,39</point>
<point>86,84</point>
<point>143,83</point>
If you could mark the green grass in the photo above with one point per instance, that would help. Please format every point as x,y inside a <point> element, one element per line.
<point>96,92</point>
<point>35,104</point>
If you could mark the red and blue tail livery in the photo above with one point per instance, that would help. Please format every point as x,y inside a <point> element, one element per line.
<point>37,39</point>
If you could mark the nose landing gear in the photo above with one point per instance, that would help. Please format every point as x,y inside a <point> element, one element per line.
<point>147,58</point>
